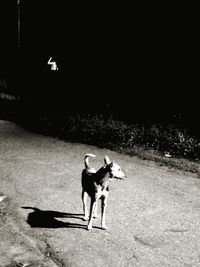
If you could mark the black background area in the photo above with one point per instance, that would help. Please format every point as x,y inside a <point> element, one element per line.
<point>137,61</point>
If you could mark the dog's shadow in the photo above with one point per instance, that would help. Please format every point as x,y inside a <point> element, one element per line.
<point>47,219</point>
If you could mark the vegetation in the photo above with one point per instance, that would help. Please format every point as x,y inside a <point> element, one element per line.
<point>164,144</point>
<point>165,141</point>
<point>94,129</point>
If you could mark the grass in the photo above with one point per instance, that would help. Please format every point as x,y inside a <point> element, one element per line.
<point>162,160</point>
<point>148,143</point>
<point>154,142</point>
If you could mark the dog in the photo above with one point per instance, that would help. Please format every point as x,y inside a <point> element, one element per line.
<point>95,184</point>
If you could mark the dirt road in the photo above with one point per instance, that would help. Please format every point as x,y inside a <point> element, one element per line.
<point>153,216</point>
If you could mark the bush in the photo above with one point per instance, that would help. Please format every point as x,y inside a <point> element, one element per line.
<point>96,130</point>
<point>114,134</point>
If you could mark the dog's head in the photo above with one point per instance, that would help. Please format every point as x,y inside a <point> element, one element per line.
<point>114,169</point>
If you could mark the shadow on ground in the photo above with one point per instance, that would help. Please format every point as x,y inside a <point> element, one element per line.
<point>47,219</point>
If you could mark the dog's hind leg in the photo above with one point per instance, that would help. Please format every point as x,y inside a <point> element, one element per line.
<point>95,215</point>
<point>85,210</point>
<point>103,211</point>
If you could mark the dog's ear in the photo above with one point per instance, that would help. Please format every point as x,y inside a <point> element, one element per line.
<point>107,160</point>
<point>111,164</point>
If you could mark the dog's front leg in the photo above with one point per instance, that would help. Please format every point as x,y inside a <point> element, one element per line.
<point>92,209</point>
<point>103,211</point>
<point>85,210</point>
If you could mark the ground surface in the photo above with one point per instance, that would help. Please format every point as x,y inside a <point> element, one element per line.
<point>153,216</point>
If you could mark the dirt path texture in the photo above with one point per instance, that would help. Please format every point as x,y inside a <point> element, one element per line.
<point>153,216</point>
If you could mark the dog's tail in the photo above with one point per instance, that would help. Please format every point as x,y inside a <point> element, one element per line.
<point>86,159</point>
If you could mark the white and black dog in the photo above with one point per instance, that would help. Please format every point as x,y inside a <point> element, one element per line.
<point>95,185</point>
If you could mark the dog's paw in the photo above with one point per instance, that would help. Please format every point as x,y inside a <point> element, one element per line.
<point>104,227</point>
<point>89,227</point>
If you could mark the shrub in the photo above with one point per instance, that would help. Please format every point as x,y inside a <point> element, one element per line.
<point>96,130</point>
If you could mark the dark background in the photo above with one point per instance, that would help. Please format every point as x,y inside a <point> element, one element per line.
<point>139,63</point>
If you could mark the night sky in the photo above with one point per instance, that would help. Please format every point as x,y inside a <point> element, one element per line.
<point>135,61</point>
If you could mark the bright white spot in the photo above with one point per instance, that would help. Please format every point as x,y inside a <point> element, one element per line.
<point>53,64</point>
